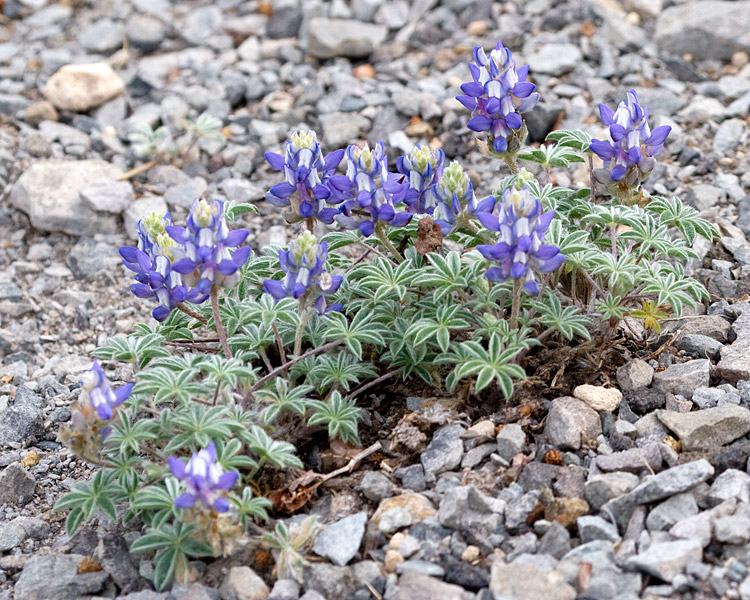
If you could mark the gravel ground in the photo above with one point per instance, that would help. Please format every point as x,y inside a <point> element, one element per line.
<point>641,493</point>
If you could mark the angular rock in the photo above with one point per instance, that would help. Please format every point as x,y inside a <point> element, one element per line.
<point>24,421</point>
<point>48,191</point>
<point>445,451</point>
<point>340,541</point>
<point>599,398</point>
<point>568,420</point>
<point>107,195</point>
<point>415,586</point>
<point>526,582</point>
<point>699,346</point>
<point>401,511</point>
<point>242,583</point>
<point>735,361</point>
<point>56,577</point>
<point>331,581</point>
<point>732,483</point>
<point>510,441</point>
<point>672,510</point>
<point>78,88</point>
<point>554,59</point>
<point>465,508</point>
<point>733,529</point>
<point>666,560</point>
<point>15,532</point>
<point>600,489</point>
<point>375,486</point>
<point>89,258</point>
<point>635,375</point>
<point>708,30</point>
<point>672,481</point>
<point>684,378</point>
<point>328,38</point>
<point>634,460</point>
<point>708,428</point>
<point>592,528</point>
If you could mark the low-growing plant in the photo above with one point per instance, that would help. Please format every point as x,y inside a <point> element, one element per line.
<point>417,280</point>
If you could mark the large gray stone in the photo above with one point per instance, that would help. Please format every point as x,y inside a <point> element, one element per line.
<point>56,577</point>
<point>328,38</point>
<point>445,451</point>
<point>600,489</point>
<point>672,510</point>
<point>708,428</point>
<point>735,361</point>
<point>15,532</point>
<point>48,191</point>
<point>415,586</point>
<point>684,378</point>
<point>555,59</point>
<point>672,481</point>
<point>340,541</point>
<point>731,484</point>
<point>635,375</point>
<point>707,30</point>
<point>242,583</point>
<point>666,560</point>
<point>17,485</point>
<point>568,420</point>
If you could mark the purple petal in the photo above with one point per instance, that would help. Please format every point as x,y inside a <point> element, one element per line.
<point>468,101</point>
<point>607,114</point>
<point>227,480</point>
<point>282,190</point>
<point>659,135</point>
<point>275,288</point>
<point>552,264</point>
<point>177,467</point>
<point>236,237</point>
<point>401,218</point>
<point>532,287</point>
<point>178,234</point>
<point>523,89</point>
<point>602,149</point>
<point>221,505</point>
<point>513,120</point>
<point>184,266</point>
<point>618,173</point>
<point>184,501</point>
<point>240,256</point>
<point>366,228</point>
<point>490,221</point>
<point>160,313</point>
<point>211,449</point>
<point>473,88</point>
<point>500,144</point>
<point>122,393</point>
<point>495,274</point>
<point>333,159</point>
<point>479,123</point>
<point>129,253</point>
<point>275,160</point>
<point>617,132</point>
<point>227,267</point>
<point>141,290</point>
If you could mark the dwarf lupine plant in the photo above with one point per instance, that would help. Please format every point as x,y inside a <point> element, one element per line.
<point>417,282</point>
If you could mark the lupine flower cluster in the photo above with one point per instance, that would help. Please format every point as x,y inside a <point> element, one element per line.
<point>423,168</point>
<point>375,191</point>
<point>181,264</point>
<point>205,480</point>
<point>497,96</point>
<point>519,250</point>
<point>95,408</point>
<point>455,198</point>
<point>310,183</point>
<point>629,153</point>
<point>306,277</point>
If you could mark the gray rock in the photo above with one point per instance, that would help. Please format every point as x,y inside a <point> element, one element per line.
<point>183,194</point>
<point>712,29</point>
<point>634,375</point>
<point>592,528</point>
<point>735,361</point>
<point>555,59</point>
<point>375,486</point>
<point>445,451</point>
<point>90,258</point>
<point>17,485</point>
<point>145,32</point>
<point>698,527</point>
<point>568,420</point>
<point>732,483</point>
<point>285,22</point>
<point>107,195</point>
<point>705,397</point>
<point>704,196</point>
<point>422,567</point>
<point>331,581</point>
<point>511,440</point>
<point>328,38</point>
<point>714,326</point>
<point>465,508</point>
<point>114,556</point>
<point>48,191</point>
<point>526,582</point>
<point>684,378</point>
<point>201,23</point>
<point>476,455</point>
<point>732,529</point>
<point>699,346</point>
<point>242,583</point>
<point>15,532</point>
<point>600,489</point>
<point>56,577</point>
<point>103,36</point>
<point>672,481</point>
<point>666,560</point>
<point>728,134</point>
<point>634,460</point>
<point>10,291</point>
<point>709,428</point>
<point>10,104</point>
<point>340,541</point>
<point>341,128</point>
<point>285,589</point>
<point>416,586</point>
<point>311,595</point>
<point>242,190</point>
<point>24,421</point>
<point>555,541</point>
<point>672,510</point>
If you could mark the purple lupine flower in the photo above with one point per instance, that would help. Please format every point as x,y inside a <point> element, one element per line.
<point>422,168</point>
<point>203,247</point>
<point>520,250</point>
<point>497,96</point>
<point>310,183</point>
<point>205,480</point>
<point>306,277</point>
<point>96,391</point>
<point>629,153</point>
<point>456,199</point>
<point>375,191</point>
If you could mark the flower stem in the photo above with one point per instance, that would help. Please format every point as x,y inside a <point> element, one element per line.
<point>190,312</point>
<point>387,243</point>
<point>516,306</point>
<point>510,159</point>
<point>303,320</point>
<point>217,322</point>
<point>138,170</point>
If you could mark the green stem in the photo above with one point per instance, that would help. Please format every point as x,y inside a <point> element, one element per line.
<point>222,333</point>
<point>510,160</point>
<point>304,317</point>
<point>516,306</point>
<point>387,243</point>
<point>190,312</point>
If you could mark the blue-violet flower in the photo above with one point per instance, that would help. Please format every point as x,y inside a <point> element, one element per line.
<point>205,480</point>
<point>455,198</point>
<point>519,249</point>
<point>310,182</point>
<point>96,391</point>
<point>375,191</point>
<point>497,96</point>
<point>629,153</point>
<point>203,247</point>
<point>422,168</point>
<point>306,277</point>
